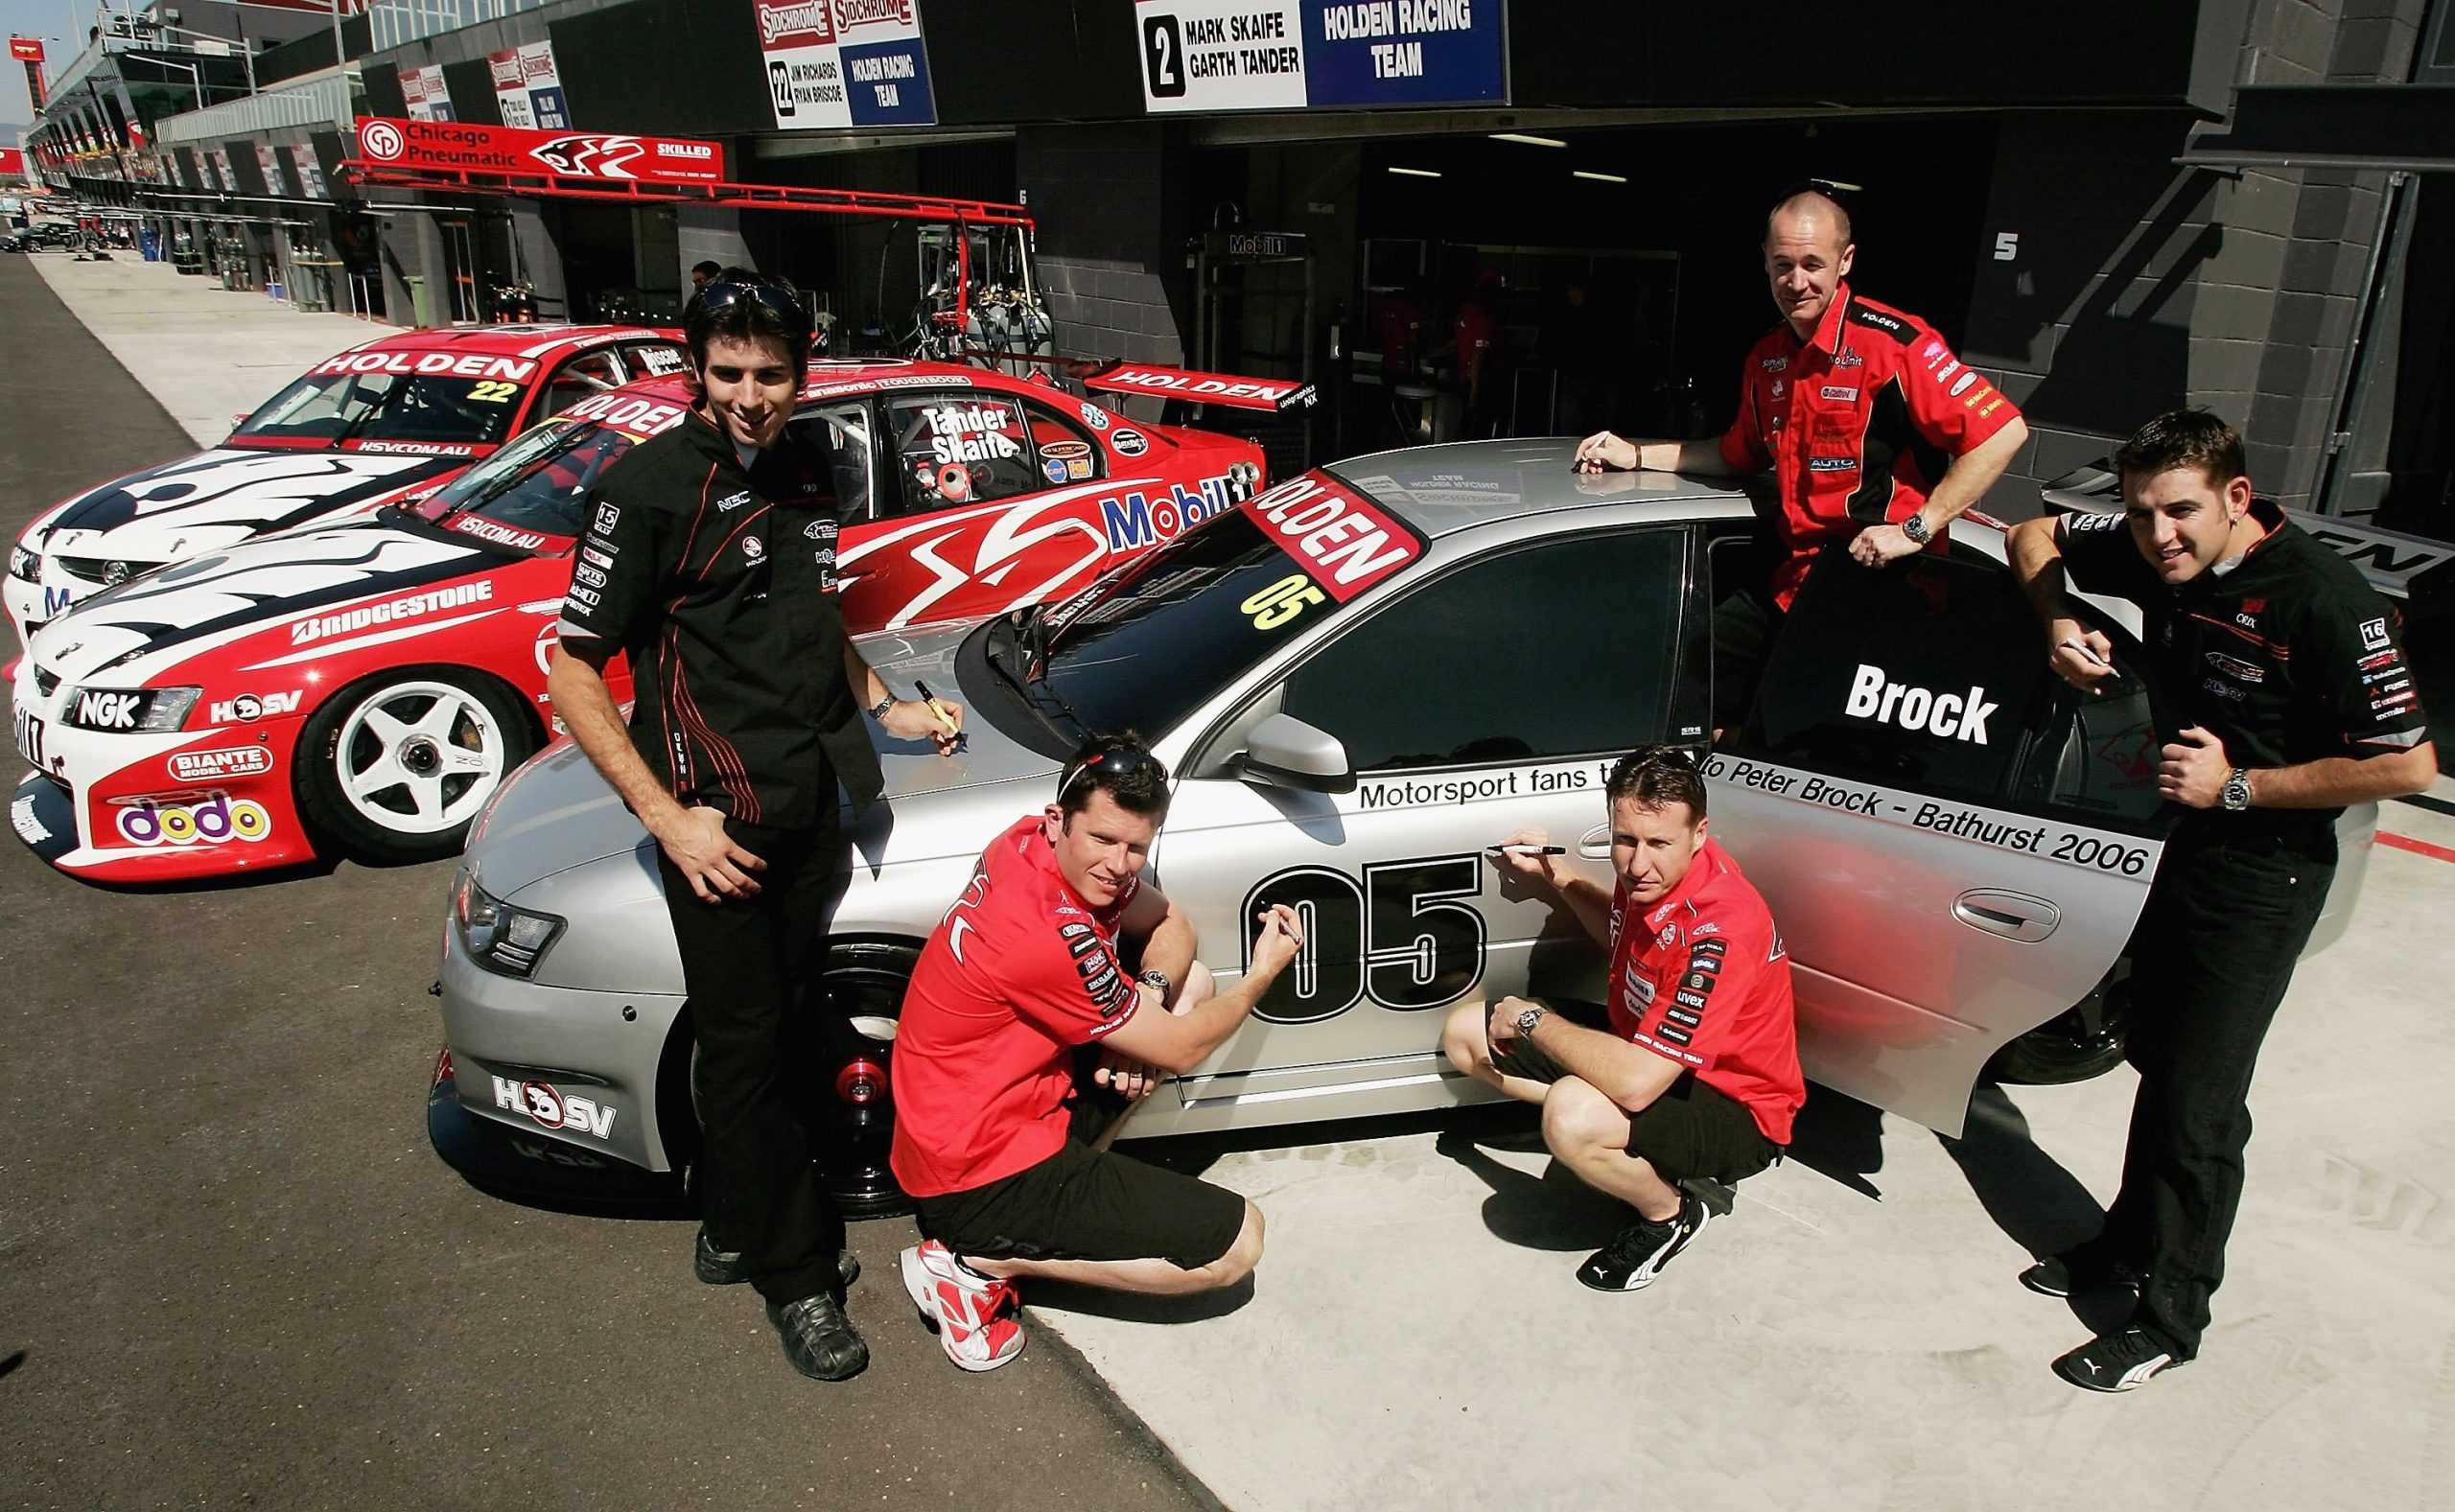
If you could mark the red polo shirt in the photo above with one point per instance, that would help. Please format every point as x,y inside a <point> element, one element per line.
<point>1701,978</point>
<point>1857,424</point>
<point>1019,972</point>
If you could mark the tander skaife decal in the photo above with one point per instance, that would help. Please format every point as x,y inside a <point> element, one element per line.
<point>1345,544</point>
<point>391,611</point>
<point>513,369</point>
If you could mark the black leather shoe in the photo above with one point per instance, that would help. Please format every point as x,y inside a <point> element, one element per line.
<point>723,1267</point>
<point>819,1339</point>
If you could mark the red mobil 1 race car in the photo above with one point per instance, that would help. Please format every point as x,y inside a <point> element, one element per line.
<point>388,419</point>
<point>363,689</point>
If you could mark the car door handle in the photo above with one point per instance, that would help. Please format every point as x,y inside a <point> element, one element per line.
<point>2015,916</point>
<point>1596,844</point>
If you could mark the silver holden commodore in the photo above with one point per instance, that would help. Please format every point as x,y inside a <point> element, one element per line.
<point>1361,679</point>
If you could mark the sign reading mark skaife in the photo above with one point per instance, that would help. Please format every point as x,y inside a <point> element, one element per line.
<point>446,145</point>
<point>1342,543</point>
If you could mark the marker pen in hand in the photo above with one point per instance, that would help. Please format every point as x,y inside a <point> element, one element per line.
<point>2083,647</point>
<point>1528,851</point>
<point>937,710</point>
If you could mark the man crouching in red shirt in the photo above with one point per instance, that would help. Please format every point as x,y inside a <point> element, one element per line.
<point>1028,965</point>
<point>1691,1071</point>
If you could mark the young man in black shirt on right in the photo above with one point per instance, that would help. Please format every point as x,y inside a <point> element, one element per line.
<point>2284,697</point>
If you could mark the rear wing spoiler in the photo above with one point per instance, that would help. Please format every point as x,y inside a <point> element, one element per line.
<point>2400,566</point>
<point>1270,395</point>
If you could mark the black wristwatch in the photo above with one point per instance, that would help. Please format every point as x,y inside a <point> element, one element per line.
<point>879,710</point>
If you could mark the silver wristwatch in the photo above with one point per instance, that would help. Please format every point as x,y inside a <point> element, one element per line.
<point>1527,1020</point>
<point>2237,793</point>
<point>879,710</point>
<point>1153,976</point>
<point>1916,529</point>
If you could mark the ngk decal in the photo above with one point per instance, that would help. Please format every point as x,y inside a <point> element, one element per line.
<point>101,710</point>
<point>512,369</point>
<point>548,1109</point>
<point>214,766</point>
<point>415,605</point>
<point>206,820</point>
<point>247,707</point>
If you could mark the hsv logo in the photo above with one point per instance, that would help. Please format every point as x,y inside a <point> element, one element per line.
<point>247,707</point>
<point>548,1109</point>
<point>1346,545</point>
<point>1955,717</point>
<point>212,767</point>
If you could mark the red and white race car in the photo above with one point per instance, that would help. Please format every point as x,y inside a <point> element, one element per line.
<point>360,690</point>
<point>385,420</point>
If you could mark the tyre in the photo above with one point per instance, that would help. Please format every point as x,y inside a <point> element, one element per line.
<point>2083,1041</point>
<point>837,1066</point>
<point>395,766</point>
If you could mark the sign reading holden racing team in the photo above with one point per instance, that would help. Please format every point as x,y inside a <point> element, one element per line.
<point>1296,54</point>
<point>844,63</point>
<point>430,146</point>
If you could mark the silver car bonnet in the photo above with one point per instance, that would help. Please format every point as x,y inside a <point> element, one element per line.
<point>557,812</point>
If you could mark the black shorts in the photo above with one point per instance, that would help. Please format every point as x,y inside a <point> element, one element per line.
<point>1690,1131</point>
<point>1089,1204</point>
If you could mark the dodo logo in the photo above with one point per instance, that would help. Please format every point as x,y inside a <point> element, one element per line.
<point>209,821</point>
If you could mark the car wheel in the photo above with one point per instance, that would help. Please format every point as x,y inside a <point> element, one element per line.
<point>2083,1041</point>
<point>395,766</point>
<point>839,1068</point>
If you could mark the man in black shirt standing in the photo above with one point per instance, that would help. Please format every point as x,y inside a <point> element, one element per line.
<point>709,559</point>
<point>2284,697</point>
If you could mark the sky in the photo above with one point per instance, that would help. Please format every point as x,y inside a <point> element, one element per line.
<point>62,24</point>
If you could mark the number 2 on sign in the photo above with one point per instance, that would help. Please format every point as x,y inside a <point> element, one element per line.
<point>493,391</point>
<point>1282,601</point>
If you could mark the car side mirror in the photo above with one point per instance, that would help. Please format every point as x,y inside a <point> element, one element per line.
<point>1286,752</point>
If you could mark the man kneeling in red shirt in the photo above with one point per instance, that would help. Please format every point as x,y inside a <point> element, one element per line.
<point>1028,965</point>
<point>1691,1071</point>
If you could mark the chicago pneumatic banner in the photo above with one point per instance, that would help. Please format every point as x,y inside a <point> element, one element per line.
<point>844,63</point>
<point>448,145</point>
<point>1296,54</point>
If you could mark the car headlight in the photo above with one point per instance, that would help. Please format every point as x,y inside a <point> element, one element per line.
<point>146,710</point>
<point>25,563</point>
<point>499,937</point>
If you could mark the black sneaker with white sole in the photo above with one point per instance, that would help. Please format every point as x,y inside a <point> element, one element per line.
<point>2119,1360</point>
<point>1631,1261</point>
<point>2062,1275</point>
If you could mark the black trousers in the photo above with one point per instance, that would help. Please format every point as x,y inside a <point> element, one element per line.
<point>747,964</point>
<point>2215,951</point>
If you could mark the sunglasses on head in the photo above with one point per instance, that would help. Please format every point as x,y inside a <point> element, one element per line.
<point>717,292</point>
<point>1831,188</point>
<point>1117,765</point>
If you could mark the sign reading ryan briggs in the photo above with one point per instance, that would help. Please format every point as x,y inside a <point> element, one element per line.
<point>844,63</point>
<point>447,145</point>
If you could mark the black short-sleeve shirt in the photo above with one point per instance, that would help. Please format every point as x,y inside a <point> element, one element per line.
<point>720,582</point>
<point>2289,658</point>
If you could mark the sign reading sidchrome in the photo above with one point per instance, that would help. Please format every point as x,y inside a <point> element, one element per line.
<point>1342,543</point>
<point>447,145</point>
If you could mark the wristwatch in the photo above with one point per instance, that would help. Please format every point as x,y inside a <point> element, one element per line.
<point>1916,529</point>
<point>2236,793</point>
<point>1153,976</point>
<point>1527,1020</point>
<point>879,710</point>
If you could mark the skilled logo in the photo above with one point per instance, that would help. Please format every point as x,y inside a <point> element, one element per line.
<point>247,707</point>
<point>1955,716</point>
<point>207,821</point>
<point>214,766</point>
<point>1838,396</point>
<point>548,1109</point>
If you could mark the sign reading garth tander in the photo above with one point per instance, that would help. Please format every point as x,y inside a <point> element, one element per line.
<point>1296,55</point>
<point>844,63</point>
<point>445,145</point>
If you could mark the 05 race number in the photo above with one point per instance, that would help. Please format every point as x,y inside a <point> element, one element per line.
<point>1282,601</point>
<point>1402,937</point>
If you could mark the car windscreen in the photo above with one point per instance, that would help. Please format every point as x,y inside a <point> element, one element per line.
<point>539,483</point>
<point>1141,647</point>
<point>433,408</point>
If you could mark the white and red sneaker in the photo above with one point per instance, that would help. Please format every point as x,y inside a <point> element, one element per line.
<point>972,1315</point>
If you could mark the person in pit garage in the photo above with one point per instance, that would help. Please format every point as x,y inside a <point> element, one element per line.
<point>709,559</point>
<point>1690,1072</point>
<point>1874,431</point>
<point>2286,697</point>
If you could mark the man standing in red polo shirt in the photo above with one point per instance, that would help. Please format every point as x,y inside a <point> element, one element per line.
<point>1874,430</point>
<point>1031,963</point>
<point>1690,1072</point>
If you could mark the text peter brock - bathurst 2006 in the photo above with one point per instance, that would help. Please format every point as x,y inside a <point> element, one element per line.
<point>360,690</point>
<point>1361,679</point>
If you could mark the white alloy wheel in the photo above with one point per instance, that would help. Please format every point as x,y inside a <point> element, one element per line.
<point>420,757</point>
